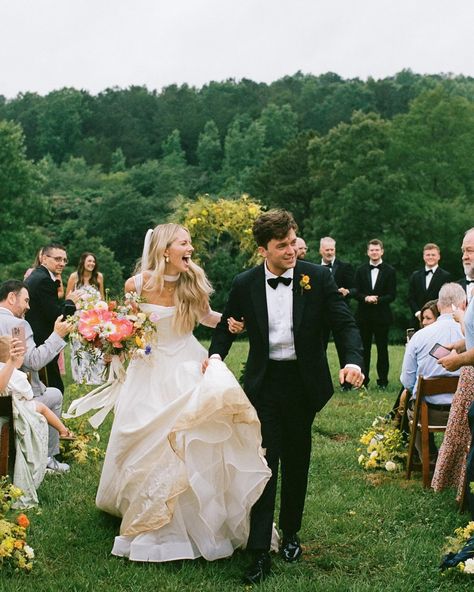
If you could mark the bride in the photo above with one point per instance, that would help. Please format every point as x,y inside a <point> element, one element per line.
<point>184,464</point>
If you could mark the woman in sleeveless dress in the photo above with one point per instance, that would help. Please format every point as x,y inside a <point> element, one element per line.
<point>84,368</point>
<point>184,463</point>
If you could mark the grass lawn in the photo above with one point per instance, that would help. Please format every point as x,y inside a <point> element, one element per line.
<point>361,532</point>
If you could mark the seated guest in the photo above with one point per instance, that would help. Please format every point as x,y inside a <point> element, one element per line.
<point>14,302</point>
<point>31,433</point>
<point>429,312</point>
<point>418,361</point>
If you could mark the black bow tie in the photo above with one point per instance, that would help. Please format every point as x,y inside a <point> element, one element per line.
<point>427,271</point>
<point>273,282</point>
<point>469,282</point>
<point>374,266</point>
<point>328,265</point>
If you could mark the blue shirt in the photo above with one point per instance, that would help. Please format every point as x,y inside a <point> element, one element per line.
<point>469,325</point>
<point>417,360</point>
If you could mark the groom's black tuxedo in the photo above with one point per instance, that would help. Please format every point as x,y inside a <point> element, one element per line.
<point>311,310</point>
<point>45,308</point>
<point>286,394</point>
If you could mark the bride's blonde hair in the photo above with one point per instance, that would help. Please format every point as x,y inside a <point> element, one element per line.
<point>192,288</point>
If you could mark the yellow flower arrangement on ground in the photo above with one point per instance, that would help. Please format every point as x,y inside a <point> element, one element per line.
<point>385,448</point>
<point>14,552</point>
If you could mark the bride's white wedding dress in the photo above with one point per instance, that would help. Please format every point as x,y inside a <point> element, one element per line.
<point>184,463</point>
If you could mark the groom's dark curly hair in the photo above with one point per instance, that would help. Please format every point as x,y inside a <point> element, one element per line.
<point>273,224</point>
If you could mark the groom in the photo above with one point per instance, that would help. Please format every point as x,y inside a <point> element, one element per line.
<point>285,303</point>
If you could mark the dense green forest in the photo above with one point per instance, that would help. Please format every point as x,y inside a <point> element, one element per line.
<point>390,158</point>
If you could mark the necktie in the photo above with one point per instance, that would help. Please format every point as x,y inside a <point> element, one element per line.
<point>428,271</point>
<point>273,282</point>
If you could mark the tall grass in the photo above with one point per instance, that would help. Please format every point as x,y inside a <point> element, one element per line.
<point>362,531</point>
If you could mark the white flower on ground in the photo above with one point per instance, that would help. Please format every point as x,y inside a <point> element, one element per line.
<point>361,459</point>
<point>390,466</point>
<point>374,454</point>
<point>29,552</point>
<point>469,566</point>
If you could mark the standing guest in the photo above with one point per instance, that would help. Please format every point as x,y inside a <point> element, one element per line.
<point>14,303</point>
<point>426,283</point>
<point>301,248</point>
<point>467,282</point>
<point>451,464</point>
<point>45,306</point>
<point>343,274</point>
<point>287,379</point>
<point>375,284</point>
<point>86,368</point>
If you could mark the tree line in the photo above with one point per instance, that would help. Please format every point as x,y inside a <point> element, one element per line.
<point>390,158</point>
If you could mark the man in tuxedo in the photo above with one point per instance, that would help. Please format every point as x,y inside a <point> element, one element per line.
<point>45,306</point>
<point>425,284</point>
<point>343,274</point>
<point>467,282</point>
<point>284,303</point>
<point>375,284</point>
<point>14,303</point>
<point>301,248</point>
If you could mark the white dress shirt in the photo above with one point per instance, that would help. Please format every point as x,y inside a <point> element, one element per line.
<point>280,318</point>
<point>374,273</point>
<point>429,276</point>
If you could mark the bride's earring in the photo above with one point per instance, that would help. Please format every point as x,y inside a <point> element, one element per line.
<point>167,259</point>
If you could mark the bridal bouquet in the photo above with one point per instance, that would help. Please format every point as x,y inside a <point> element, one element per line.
<point>14,552</point>
<point>385,446</point>
<point>114,328</point>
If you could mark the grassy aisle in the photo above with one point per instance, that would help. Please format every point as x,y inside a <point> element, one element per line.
<point>362,531</point>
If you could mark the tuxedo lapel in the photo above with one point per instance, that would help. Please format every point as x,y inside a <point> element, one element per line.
<point>298,300</point>
<point>259,300</point>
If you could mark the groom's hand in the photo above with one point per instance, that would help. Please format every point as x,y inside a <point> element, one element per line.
<point>352,375</point>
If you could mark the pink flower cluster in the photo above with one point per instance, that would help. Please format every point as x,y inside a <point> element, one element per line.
<point>99,325</point>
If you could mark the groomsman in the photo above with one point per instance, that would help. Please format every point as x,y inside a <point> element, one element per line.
<point>425,284</point>
<point>343,275</point>
<point>375,284</point>
<point>301,248</point>
<point>287,379</point>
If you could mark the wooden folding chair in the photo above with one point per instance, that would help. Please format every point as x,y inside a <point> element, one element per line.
<point>6,433</point>
<point>431,387</point>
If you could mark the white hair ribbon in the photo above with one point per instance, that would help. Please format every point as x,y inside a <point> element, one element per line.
<point>146,248</point>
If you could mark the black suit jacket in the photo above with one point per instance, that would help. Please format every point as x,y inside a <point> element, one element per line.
<point>310,308</point>
<point>45,306</point>
<point>418,295</point>
<point>385,288</point>
<point>343,274</point>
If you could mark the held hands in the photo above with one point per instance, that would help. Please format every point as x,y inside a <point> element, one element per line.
<point>62,328</point>
<point>351,375</point>
<point>235,326</point>
<point>343,291</point>
<point>372,299</point>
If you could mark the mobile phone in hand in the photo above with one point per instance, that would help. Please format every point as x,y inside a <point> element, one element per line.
<point>19,333</point>
<point>438,351</point>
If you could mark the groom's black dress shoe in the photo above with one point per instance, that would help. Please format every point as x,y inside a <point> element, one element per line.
<point>259,568</point>
<point>291,549</point>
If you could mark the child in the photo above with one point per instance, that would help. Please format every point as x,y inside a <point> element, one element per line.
<point>15,382</point>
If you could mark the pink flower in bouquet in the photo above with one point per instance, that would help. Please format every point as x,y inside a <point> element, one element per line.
<point>90,321</point>
<point>123,328</point>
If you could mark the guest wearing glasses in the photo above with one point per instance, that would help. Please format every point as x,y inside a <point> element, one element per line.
<point>45,306</point>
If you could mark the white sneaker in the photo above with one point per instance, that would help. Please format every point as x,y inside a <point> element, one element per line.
<point>54,466</point>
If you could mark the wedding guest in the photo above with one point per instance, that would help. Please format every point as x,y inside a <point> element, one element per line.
<point>287,377</point>
<point>375,284</point>
<point>14,303</point>
<point>89,281</point>
<point>450,470</point>
<point>44,304</point>
<point>417,360</point>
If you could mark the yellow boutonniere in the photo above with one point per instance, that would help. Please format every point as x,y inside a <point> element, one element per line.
<point>304,283</point>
